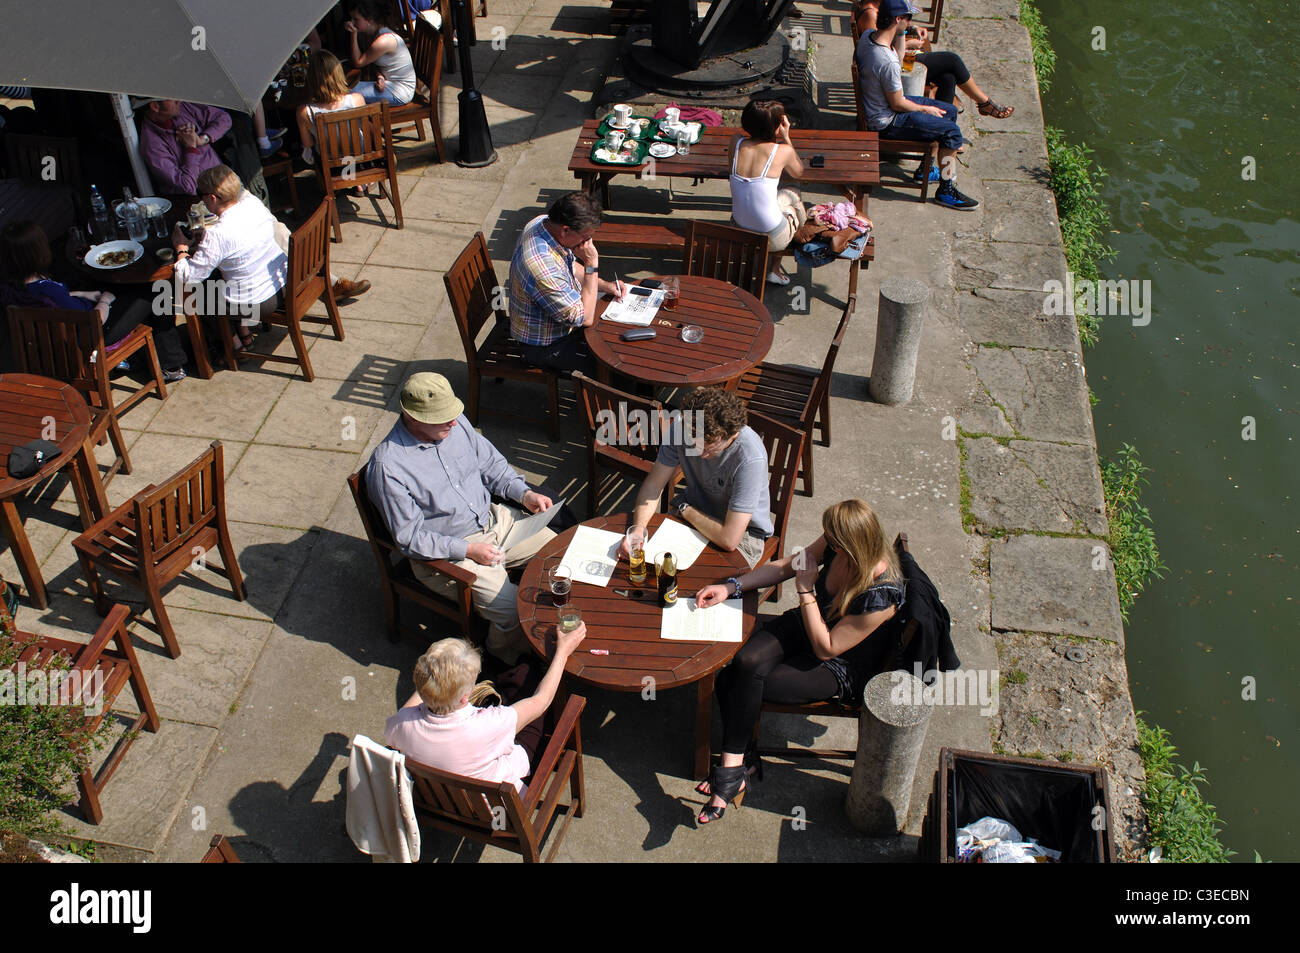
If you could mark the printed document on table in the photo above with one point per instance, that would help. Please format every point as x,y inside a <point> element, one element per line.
<point>684,622</point>
<point>634,308</point>
<point>677,538</point>
<point>592,555</point>
<point>527,527</point>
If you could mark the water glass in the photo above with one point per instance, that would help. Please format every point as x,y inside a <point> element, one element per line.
<point>159,220</point>
<point>683,141</point>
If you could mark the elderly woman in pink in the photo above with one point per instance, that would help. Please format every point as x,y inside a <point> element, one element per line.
<point>439,727</point>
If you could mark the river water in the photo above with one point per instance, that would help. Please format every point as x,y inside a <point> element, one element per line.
<point>1180,104</point>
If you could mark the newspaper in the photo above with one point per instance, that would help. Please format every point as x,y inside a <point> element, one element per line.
<point>635,308</point>
<point>528,527</point>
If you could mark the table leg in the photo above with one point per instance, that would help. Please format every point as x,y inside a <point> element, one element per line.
<point>194,325</point>
<point>88,487</point>
<point>23,555</point>
<point>703,727</point>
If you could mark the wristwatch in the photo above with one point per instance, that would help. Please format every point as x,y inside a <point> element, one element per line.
<point>681,509</point>
<point>590,269</point>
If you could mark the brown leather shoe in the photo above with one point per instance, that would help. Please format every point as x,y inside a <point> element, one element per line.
<point>350,289</point>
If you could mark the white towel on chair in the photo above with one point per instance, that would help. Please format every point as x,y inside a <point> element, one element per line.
<point>380,814</point>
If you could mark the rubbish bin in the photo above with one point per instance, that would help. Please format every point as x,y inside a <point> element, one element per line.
<point>1063,806</point>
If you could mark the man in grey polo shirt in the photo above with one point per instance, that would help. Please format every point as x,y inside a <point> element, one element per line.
<point>726,498</point>
<point>433,479</point>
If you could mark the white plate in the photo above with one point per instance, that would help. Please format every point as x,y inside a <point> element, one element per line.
<point>615,124</point>
<point>147,203</point>
<point>662,150</point>
<point>92,256</point>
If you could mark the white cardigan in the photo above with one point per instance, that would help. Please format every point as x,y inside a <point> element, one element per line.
<point>381,814</point>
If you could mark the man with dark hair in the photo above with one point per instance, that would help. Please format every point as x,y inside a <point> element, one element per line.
<point>725,464</point>
<point>554,283</point>
<point>896,116</point>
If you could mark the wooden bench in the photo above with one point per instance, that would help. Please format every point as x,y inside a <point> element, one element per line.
<point>670,236</point>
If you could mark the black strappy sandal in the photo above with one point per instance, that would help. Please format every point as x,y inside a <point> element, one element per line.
<point>731,785</point>
<point>990,108</point>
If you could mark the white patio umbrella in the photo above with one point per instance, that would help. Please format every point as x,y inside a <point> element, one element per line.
<point>217,52</point>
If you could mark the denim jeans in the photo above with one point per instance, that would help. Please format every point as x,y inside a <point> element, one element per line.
<point>923,126</point>
<point>371,94</point>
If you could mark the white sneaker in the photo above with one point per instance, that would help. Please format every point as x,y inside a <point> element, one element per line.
<point>776,278</point>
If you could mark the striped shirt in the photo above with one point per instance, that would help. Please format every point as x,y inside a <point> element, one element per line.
<point>545,299</point>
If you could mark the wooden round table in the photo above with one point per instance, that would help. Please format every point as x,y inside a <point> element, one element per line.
<point>738,333</point>
<point>33,408</point>
<point>628,628</point>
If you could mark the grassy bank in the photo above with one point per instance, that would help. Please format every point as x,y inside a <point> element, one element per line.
<point>1132,540</point>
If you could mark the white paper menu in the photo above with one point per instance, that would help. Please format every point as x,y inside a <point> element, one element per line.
<point>684,622</point>
<point>635,308</point>
<point>683,541</point>
<point>592,555</point>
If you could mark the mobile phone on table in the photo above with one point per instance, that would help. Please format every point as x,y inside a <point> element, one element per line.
<point>651,283</point>
<point>817,162</point>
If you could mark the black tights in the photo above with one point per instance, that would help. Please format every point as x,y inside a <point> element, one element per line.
<point>776,664</point>
<point>946,70</point>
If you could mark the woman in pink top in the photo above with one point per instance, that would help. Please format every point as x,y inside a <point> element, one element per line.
<point>439,727</point>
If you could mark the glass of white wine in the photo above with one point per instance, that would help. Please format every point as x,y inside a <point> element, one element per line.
<point>570,618</point>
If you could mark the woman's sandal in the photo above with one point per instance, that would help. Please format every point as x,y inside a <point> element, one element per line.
<point>730,784</point>
<point>990,108</point>
<point>753,765</point>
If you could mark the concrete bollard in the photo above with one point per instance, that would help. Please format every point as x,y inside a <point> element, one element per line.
<point>890,736</point>
<point>898,339</point>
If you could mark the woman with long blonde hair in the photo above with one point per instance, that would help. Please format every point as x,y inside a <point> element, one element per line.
<point>849,584</point>
<point>329,86</point>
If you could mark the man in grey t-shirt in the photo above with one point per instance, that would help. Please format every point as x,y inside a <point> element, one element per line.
<point>726,498</point>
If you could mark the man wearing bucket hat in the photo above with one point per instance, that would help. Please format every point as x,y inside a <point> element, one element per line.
<point>896,116</point>
<point>433,479</point>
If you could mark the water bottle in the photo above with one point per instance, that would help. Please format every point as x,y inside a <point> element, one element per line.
<point>132,215</point>
<point>100,223</point>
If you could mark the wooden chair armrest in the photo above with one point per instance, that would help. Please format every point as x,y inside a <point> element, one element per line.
<point>88,657</point>
<point>566,728</point>
<point>458,574</point>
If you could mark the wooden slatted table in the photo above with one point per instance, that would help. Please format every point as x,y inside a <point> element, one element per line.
<point>29,407</point>
<point>628,628</point>
<point>852,160</point>
<point>738,332</point>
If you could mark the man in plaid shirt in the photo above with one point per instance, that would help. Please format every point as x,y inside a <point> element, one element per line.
<point>554,283</point>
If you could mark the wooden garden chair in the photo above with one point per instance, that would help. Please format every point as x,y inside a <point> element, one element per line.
<point>356,148</point>
<point>220,851</point>
<point>784,451</point>
<point>309,282</point>
<point>495,813</point>
<point>160,533</point>
<point>797,396</point>
<point>68,346</point>
<point>396,579</point>
<point>634,459</point>
<point>472,289</point>
<point>728,253</point>
<point>111,657</point>
<point>426,54</point>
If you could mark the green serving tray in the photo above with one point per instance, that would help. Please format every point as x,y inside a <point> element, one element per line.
<point>638,153</point>
<point>648,131</point>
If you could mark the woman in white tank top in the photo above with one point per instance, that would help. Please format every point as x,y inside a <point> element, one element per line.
<point>757,201</point>
<point>329,86</point>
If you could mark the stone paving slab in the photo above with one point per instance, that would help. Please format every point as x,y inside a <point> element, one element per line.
<point>1015,156</point>
<point>286,486</point>
<point>146,794</point>
<point>1017,212</point>
<point>1004,265</point>
<point>1015,318</point>
<point>1074,711</point>
<point>1028,485</point>
<point>1048,584</point>
<point>1042,392</point>
<point>314,416</point>
<point>448,201</point>
<point>231,406</point>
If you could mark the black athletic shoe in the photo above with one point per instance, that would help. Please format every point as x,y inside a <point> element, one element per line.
<point>948,195</point>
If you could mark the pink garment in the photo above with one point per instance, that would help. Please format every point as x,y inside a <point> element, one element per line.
<point>476,742</point>
<point>694,114</point>
<point>838,216</point>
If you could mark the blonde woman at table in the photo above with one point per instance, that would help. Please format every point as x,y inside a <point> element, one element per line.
<point>329,86</point>
<point>849,584</point>
<point>25,282</point>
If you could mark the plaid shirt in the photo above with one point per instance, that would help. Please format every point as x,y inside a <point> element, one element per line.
<point>545,300</point>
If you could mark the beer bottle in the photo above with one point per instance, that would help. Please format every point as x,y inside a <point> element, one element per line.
<point>668,582</point>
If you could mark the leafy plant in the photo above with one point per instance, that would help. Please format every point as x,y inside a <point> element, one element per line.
<point>1084,218</point>
<point>1044,55</point>
<point>1183,825</point>
<point>1133,548</point>
<point>44,747</point>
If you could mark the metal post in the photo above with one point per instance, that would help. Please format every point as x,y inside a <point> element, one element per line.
<point>475,137</point>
